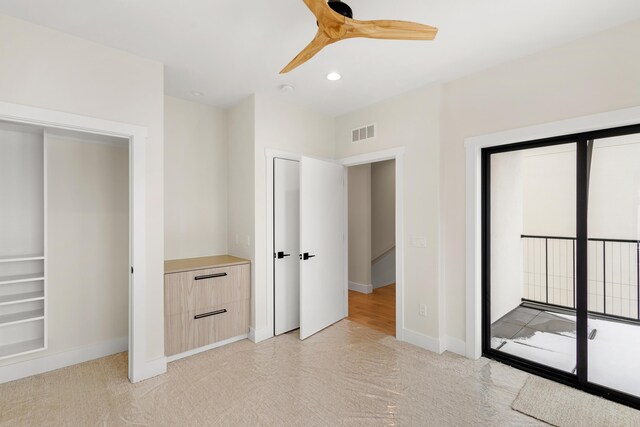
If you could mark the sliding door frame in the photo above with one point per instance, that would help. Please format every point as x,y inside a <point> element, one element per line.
<point>580,379</point>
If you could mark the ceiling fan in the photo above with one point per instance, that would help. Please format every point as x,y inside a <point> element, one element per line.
<point>335,23</point>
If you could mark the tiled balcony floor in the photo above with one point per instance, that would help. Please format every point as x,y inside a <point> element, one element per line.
<point>549,338</point>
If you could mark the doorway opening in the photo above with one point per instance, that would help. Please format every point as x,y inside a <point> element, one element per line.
<point>326,221</point>
<point>561,259</point>
<point>372,245</point>
<point>307,244</point>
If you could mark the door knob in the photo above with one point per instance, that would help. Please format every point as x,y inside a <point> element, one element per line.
<point>281,255</point>
<point>305,256</point>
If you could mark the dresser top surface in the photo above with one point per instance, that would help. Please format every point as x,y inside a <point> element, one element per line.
<point>190,264</point>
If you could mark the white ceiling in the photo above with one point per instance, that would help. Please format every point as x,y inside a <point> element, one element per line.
<point>232,48</point>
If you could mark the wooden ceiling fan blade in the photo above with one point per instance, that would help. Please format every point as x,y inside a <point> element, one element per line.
<point>390,30</point>
<point>319,41</point>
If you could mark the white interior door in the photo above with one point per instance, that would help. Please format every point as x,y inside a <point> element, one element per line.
<point>286,245</point>
<point>322,215</point>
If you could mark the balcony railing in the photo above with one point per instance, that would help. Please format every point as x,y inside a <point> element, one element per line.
<point>549,274</point>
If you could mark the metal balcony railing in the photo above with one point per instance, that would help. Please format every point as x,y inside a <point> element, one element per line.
<point>549,274</point>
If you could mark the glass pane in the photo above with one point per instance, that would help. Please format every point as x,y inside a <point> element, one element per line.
<point>533,225</point>
<point>614,202</point>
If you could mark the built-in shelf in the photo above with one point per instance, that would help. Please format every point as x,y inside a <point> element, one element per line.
<point>18,298</point>
<point>22,317</point>
<point>23,347</point>
<point>18,258</point>
<point>21,278</point>
<point>23,286</point>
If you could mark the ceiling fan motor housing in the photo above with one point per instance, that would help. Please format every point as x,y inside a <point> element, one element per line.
<point>341,8</point>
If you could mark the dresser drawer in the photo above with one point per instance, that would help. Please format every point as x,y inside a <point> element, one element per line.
<point>205,306</point>
<point>201,290</point>
<point>186,331</point>
<point>212,289</point>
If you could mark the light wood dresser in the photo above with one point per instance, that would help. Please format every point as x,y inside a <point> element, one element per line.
<point>206,301</point>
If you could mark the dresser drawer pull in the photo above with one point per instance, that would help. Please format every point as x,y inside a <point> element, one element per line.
<point>211,276</point>
<point>211,313</point>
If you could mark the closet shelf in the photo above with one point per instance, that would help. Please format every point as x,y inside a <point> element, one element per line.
<point>23,347</point>
<point>18,298</point>
<point>17,258</point>
<point>22,317</point>
<point>22,278</point>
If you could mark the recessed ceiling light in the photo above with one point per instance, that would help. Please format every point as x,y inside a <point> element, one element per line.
<point>286,88</point>
<point>333,76</point>
<point>196,93</point>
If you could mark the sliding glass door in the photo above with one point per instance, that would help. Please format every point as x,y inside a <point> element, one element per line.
<point>530,237</point>
<point>561,259</point>
<point>614,225</point>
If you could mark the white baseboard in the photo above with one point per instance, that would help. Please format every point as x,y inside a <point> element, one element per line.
<point>456,346</point>
<point>382,285</point>
<point>422,340</point>
<point>259,335</point>
<point>55,361</point>
<point>151,369</point>
<point>206,348</point>
<point>359,287</point>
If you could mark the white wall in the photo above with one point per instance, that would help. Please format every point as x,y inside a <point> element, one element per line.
<point>88,243</point>
<point>359,226</point>
<point>412,121</point>
<point>594,74</point>
<point>280,125</point>
<point>49,69</point>
<point>241,185</point>
<point>614,188</point>
<point>550,189</point>
<point>549,185</point>
<point>240,178</point>
<point>21,190</point>
<point>506,228</point>
<point>383,269</point>
<point>383,207</point>
<point>195,175</point>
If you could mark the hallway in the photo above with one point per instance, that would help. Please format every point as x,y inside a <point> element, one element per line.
<point>376,310</point>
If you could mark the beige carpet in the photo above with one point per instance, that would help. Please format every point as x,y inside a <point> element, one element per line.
<point>564,406</point>
<point>347,374</point>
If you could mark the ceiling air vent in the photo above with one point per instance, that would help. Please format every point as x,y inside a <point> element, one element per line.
<point>363,133</point>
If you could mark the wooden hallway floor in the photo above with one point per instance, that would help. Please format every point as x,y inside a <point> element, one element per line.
<point>376,310</point>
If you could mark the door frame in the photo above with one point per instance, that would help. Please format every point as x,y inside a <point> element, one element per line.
<point>271,239</point>
<point>475,206</point>
<point>139,368</point>
<point>396,154</point>
<point>473,190</point>
<point>271,155</point>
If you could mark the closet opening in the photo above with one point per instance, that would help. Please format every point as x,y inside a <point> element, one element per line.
<point>64,248</point>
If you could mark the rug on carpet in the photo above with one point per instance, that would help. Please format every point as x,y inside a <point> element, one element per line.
<point>564,406</point>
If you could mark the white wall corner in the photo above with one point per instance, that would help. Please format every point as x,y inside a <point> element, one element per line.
<point>359,287</point>
<point>259,335</point>
<point>457,346</point>
<point>423,341</point>
<point>55,361</point>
